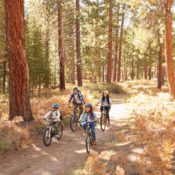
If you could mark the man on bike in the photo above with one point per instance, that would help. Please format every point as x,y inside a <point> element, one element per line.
<point>89,116</point>
<point>55,115</point>
<point>77,99</point>
<point>106,103</point>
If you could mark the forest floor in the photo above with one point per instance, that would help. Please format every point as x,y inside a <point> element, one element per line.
<point>128,147</point>
<point>65,156</point>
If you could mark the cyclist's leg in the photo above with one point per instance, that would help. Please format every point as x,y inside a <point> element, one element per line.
<point>81,109</point>
<point>107,114</point>
<point>92,125</point>
<point>56,125</point>
<point>84,126</point>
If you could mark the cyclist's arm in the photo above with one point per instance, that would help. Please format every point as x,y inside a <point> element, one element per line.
<point>81,117</point>
<point>82,99</point>
<point>110,102</point>
<point>99,101</point>
<point>70,99</point>
<point>95,117</point>
<point>47,115</point>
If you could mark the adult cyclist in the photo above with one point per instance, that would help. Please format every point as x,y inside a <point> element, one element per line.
<point>77,99</point>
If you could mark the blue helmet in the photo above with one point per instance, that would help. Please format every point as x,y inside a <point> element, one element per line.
<point>89,105</point>
<point>55,106</point>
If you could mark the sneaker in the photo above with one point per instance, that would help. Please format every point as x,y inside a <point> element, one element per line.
<point>94,142</point>
<point>57,136</point>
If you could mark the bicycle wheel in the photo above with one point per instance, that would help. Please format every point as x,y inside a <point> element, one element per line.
<point>88,144</point>
<point>47,137</point>
<point>74,123</point>
<point>60,132</point>
<point>103,122</point>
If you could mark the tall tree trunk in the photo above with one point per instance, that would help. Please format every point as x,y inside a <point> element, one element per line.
<point>4,76</point>
<point>116,45</point>
<point>138,70</point>
<point>160,68</point>
<point>169,58</point>
<point>120,47</point>
<point>150,72</point>
<point>47,52</point>
<point>103,73</point>
<point>109,74</point>
<point>78,49</point>
<point>18,66</point>
<point>73,57</point>
<point>132,71</point>
<point>60,46</point>
<point>146,72</point>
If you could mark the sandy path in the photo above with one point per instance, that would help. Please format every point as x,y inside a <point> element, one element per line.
<point>63,156</point>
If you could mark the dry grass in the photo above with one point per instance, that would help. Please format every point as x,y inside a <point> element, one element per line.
<point>152,131</point>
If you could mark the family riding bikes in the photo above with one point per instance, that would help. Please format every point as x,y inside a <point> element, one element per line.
<point>87,119</point>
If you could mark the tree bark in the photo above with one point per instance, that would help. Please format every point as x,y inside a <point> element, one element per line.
<point>18,67</point>
<point>109,74</point>
<point>120,47</point>
<point>146,72</point>
<point>132,71</point>
<point>150,72</point>
<point>160,68</point>
<point>47,52</point>
<point>169,58</point>
<point>138,70</point>
<point>116,45</point>
<point>4,76</point>
<point>60,46</point>
<point>78,49</point>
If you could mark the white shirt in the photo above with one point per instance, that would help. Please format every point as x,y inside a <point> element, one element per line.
<point>77,100</point>
<point>105,103</point>
<point>54,114</point>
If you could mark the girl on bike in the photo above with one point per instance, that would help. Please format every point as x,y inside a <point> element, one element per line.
<point>89,116</point>
<point>106,103</point>
<point>55,115</point>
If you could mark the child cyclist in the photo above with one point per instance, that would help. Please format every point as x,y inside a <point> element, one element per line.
<point>106,102</point>
<point>89,116</point>
<point>55,115</point>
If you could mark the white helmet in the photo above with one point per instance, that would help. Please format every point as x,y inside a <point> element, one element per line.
<point>106,92</point>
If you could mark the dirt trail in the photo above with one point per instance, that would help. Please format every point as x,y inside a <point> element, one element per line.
<point>64,156</point>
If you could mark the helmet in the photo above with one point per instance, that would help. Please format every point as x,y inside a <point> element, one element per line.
<point>55,106</point>
<point>75,88</point>
<point>89,105</point>
<point>106,92</point>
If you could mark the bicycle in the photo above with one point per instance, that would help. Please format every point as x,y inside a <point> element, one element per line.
<point>103,118</point>
<point>74,118</point>
<point>89,137</point>
<point>50,132</point>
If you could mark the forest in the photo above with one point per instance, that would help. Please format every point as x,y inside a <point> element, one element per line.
<point>126,47</point>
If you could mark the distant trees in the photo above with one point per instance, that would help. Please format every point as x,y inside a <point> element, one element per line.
<point>18,66</point>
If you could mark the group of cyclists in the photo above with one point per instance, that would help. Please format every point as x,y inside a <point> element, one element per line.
<point>87,116</point>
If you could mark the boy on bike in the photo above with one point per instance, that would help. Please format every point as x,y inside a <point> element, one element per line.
<point>55,115</point>
<point>106,103</point>
<point>77,99</point>
<point>89,116</point>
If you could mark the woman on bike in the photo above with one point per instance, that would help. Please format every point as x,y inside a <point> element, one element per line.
<point>77,99</point>
<point>106,103</point>
<point>89,117</point>
<point>55,115</point>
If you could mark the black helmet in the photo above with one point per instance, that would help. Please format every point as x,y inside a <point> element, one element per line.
<point>75,88</point>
